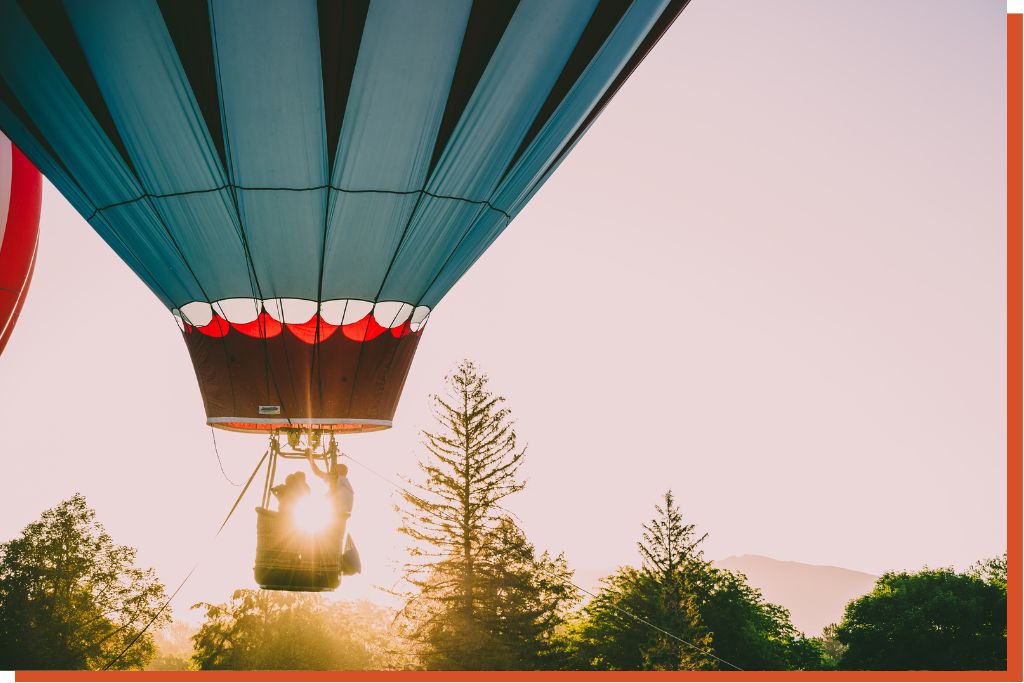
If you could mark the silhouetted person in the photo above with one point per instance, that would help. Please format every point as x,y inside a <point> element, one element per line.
<point>290,492</point>
<point>339,488</point>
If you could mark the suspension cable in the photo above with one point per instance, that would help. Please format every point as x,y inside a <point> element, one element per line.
<point>220,463</point>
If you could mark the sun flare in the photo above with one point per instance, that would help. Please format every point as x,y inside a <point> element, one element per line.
<point>312,514</point>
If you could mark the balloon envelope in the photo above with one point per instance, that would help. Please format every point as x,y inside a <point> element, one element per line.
<point>300,183</point>
<point>21,188</point>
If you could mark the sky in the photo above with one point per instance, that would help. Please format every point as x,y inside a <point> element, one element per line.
<point>771,277</point>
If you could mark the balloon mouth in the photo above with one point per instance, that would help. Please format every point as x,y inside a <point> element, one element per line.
<point>308,321</point>
<point>252,425</point>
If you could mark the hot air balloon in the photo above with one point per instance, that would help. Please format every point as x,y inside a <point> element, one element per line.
<point>301,182</point>
<point>21,187</point>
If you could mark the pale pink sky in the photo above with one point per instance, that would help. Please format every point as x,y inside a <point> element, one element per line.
<point>771,277</point>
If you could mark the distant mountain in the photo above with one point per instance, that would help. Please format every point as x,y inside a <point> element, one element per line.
<point>815,595</point>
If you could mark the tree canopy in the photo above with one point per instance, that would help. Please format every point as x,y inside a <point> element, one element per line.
<point>71,598</point>
<point>259,629</point>
<point>677,611</point>
<point>934,619</point>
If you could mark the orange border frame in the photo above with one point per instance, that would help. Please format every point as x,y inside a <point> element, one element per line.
<point>1014,501</point>
<point>1014,335</point>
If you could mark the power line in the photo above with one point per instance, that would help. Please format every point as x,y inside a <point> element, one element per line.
<point>700,649</point>
<point>577,586</point>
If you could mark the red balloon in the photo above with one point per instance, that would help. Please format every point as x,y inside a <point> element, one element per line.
<point>21,194</point>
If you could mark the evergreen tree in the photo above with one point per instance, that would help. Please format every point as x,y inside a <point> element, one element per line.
<point>662,593</point>
<point>641,617</point>
<point>671,561</point>
<point>480,596</point>
<point>527,598</point>
<point>668,545</point>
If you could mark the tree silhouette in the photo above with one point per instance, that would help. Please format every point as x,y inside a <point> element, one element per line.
<point>992,571</point>
<point>480,597</point>
<point>934,619</point>
<point>677,611</point>
<point>70,598</point>
<point>260,629</point>
<point>667,544</point>
<point>662,593</point>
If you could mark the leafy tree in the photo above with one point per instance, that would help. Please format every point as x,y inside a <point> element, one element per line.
<point>259,629</point>
<point>697,616</point>
<point>748,631</point>
<point>832,650</point>
<point>70,598</point>
<point>934,619</point>
<point>636,623</point>
<point>480,596</point>
<point>992,571</point>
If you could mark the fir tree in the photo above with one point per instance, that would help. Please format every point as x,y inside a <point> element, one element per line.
<point>677,611</point>
<point>663,592</point>
<point>480,596</point>
<point>668,545</point>
<point>672,560</point>
<point>527,597</point>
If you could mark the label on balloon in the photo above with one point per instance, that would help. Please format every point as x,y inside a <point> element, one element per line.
<point>270,410</point>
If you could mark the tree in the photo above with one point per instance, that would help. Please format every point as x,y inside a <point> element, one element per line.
<point>832,650</point>
<point>991,571</point>
<point>747,631</point>
<point>526,598</point>
<point>667,544</point>
<point>480,596</point>
<point>259,629</point>
<point>663,593</point>
<point>934,619</point>
<point>636,623</point>
<point>677,611</point>
<point>70,598</point>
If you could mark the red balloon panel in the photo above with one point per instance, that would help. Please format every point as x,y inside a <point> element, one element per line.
<point>21,189</point>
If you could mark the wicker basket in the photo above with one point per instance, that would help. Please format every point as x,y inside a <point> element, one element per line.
<point>289,559</point>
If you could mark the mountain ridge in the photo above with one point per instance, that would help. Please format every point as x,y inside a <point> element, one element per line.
<point>815,595</point>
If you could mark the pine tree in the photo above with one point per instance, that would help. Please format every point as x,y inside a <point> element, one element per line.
<point>723,621</point>
<point>673,564</point>
<point>668,545</point>
<point>649,617</point>
<point>527,597</point>
<point>480,596</point>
